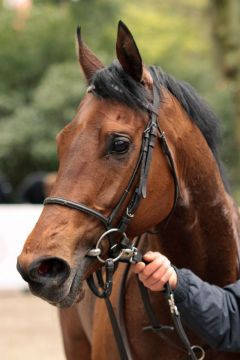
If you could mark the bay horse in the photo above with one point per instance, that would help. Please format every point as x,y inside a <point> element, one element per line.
<point>104,169</point>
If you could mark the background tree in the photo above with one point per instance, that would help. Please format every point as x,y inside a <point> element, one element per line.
<point>225,16</point>
<point>41,84</point>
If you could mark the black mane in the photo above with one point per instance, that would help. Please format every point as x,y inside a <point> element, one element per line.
<point>114,84</point>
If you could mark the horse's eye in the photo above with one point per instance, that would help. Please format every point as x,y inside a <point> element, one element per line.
<point>120,145</point>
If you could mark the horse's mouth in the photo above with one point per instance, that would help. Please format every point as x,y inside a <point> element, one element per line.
<point>75,294</point>
<point>71,291</point>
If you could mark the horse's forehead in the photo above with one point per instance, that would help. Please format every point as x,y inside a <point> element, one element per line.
<point>97,115</point>
<point>103,110</point>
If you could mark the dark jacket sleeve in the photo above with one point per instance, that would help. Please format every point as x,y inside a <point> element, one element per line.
<point>212,312</point>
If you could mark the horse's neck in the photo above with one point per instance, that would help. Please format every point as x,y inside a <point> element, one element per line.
<point>204,230</point>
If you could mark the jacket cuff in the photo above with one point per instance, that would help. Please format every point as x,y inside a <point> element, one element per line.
<point>182,289</point>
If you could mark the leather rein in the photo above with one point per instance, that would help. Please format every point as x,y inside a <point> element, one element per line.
<point>124,250</point>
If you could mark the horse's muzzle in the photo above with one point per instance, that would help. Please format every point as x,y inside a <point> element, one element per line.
<point>48,271</point>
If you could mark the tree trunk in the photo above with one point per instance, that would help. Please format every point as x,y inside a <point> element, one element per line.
<point>225,17</point>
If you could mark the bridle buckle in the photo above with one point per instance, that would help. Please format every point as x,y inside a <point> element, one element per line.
<point>129,215</point>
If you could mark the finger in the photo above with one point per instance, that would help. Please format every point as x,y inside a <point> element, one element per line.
<point>159,285</point>
<point>158,276</point>
<point>160,262</point>
<point>151,255</point>
<point>161,271</point>
<point>142,277</point>
<point>154,276</point>
<point>138,268</point>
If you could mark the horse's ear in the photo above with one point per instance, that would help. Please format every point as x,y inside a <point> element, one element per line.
<point>128,53</point>
<point>88,61</point>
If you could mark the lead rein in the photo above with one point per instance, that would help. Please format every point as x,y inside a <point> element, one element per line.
<point>131,255</point>
<point>159,328</point>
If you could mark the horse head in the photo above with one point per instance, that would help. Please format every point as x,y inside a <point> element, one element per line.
<point>101,157</point>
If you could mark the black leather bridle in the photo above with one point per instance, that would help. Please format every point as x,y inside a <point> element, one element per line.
<point>141,170</point>
<point>123,249</point>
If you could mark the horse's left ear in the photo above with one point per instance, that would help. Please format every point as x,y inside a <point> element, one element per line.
<point>88,61</point>
<point>128,54</point>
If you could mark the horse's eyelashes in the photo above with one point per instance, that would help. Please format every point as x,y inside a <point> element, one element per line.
<point>119,145</point>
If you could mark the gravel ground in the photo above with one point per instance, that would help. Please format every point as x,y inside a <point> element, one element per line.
<point>29,328</point>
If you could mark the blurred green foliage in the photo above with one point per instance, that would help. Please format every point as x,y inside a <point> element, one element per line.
<point>41,84</point>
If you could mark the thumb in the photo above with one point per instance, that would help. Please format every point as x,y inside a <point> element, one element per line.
<point>149,256</point>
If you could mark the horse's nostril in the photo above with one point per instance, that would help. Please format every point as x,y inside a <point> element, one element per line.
<point>44,268</point>
<point>50,269</point>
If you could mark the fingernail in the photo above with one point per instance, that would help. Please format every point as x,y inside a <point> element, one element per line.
<point>148,253</point>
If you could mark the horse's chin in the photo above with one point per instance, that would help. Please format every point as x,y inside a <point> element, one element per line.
<point>69,300</point>
<point>75,294</point>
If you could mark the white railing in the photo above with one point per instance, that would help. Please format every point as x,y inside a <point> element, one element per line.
<point>16,222</point>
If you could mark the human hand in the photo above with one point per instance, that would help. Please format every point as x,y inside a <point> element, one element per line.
<point>156,272</point>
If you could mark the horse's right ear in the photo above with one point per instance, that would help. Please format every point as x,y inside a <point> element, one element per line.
<point>88,61</point>
<point>128,53</point>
